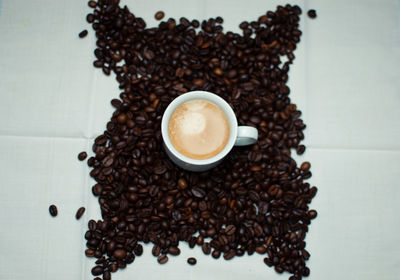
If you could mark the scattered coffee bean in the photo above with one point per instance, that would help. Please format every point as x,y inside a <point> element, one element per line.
<point>312,13</point>
<point>300,149</point>
<point>82,156</point>
<point>312,214</point>
<point>182,184</point>
<point>191,261</point>
<point>156,250</point>
<point>53,210</point>
<point>229,255</point>
<point>159,15</point>
<point>305,166</point>
<point>92,4</point>
<point>97,270</point>
<point>162,259</point>
<point>206,248</point>
<point>138,249</point>
<point>89,253</point>
<point>120,253</point>
<point>106,275</point>
<point>83,33</point>
<point>216,254</point>
<point>80,212</point>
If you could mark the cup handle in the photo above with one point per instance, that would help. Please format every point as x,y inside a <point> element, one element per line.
<point>246,135</point>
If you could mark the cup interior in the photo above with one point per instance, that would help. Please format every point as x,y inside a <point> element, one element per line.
<point>213,98</point>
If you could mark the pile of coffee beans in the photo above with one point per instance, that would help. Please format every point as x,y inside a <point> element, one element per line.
<point>256,200</point>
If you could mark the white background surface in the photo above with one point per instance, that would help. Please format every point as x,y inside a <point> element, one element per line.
<point>53,103</point>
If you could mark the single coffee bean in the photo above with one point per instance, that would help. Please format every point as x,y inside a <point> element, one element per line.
<point>191,261</point>
<point>229,255</point>
<point>82,156</point>
<point>261,249</point>
<point>83,33</point>
<point>156,250</point>
<point>182,184</point>
<point>53,210</point>
<point>80,212</point>
<point>278,269</point>
<point>300,149</point>
<point>138,250</point>
<point>90,18</point>
<point>230,229</point>
<point>312,214</point>
<point>206,248</point>
<point>159,15</point>
<point>216,254</point>
<point>305,166</point>
<point>89,253</point>
<point>92,225</point>
<point>312,13</point>
<point>92,4</point>
<point>106,275</point>
<point>174,251</point>
<point>120,253</point>
<point>97,189</point>
<point>162,259</point>
<point>97,270</point>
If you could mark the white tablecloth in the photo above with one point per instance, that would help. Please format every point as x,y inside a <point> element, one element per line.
<point>53,103</point>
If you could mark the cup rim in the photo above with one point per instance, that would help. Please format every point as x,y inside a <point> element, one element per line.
<point>215,99</point>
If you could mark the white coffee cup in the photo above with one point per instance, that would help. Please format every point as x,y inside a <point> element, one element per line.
<point>238,135</point>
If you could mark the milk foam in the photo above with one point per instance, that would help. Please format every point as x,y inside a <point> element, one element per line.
<point>192,123</point>
<point>198,129</point>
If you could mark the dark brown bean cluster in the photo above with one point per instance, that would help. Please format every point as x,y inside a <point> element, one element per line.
<point>256,200</point>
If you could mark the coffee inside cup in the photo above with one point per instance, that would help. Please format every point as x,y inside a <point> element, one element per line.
<point>198,129</point>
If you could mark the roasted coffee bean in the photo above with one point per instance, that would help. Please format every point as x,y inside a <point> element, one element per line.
<point>312,13</point>
<point>174,251</point>
<point>206,248</point>
<point>92,4</point>
<point>138,250</point>
<point>97,189</point>
<point>229,255</point>
<point>305,166</point>
<point>159,15</point>
<point>119,253</point>
<point>106,275</point>
<point>162,259</point>
<point>312,214</point>
<point>80,212</point>
<point>198,192</point>
<point>82,156</point>
<point>230,229</point>
<point>182,184</point>
<point>257,199</point>
<point>89,253</point>
<point>92,225</point>
<point>83,33</point>
<point>216,254</point>
<point>156,250</point>
<point>261,249</point>
<point>191,261</point>
<point>97,270</point>
<point>53,210</point>
<point>300,149</point>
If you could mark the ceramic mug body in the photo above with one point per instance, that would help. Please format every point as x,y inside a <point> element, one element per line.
<point>248,135</point>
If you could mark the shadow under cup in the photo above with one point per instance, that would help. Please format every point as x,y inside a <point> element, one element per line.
<point>196,164</point>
